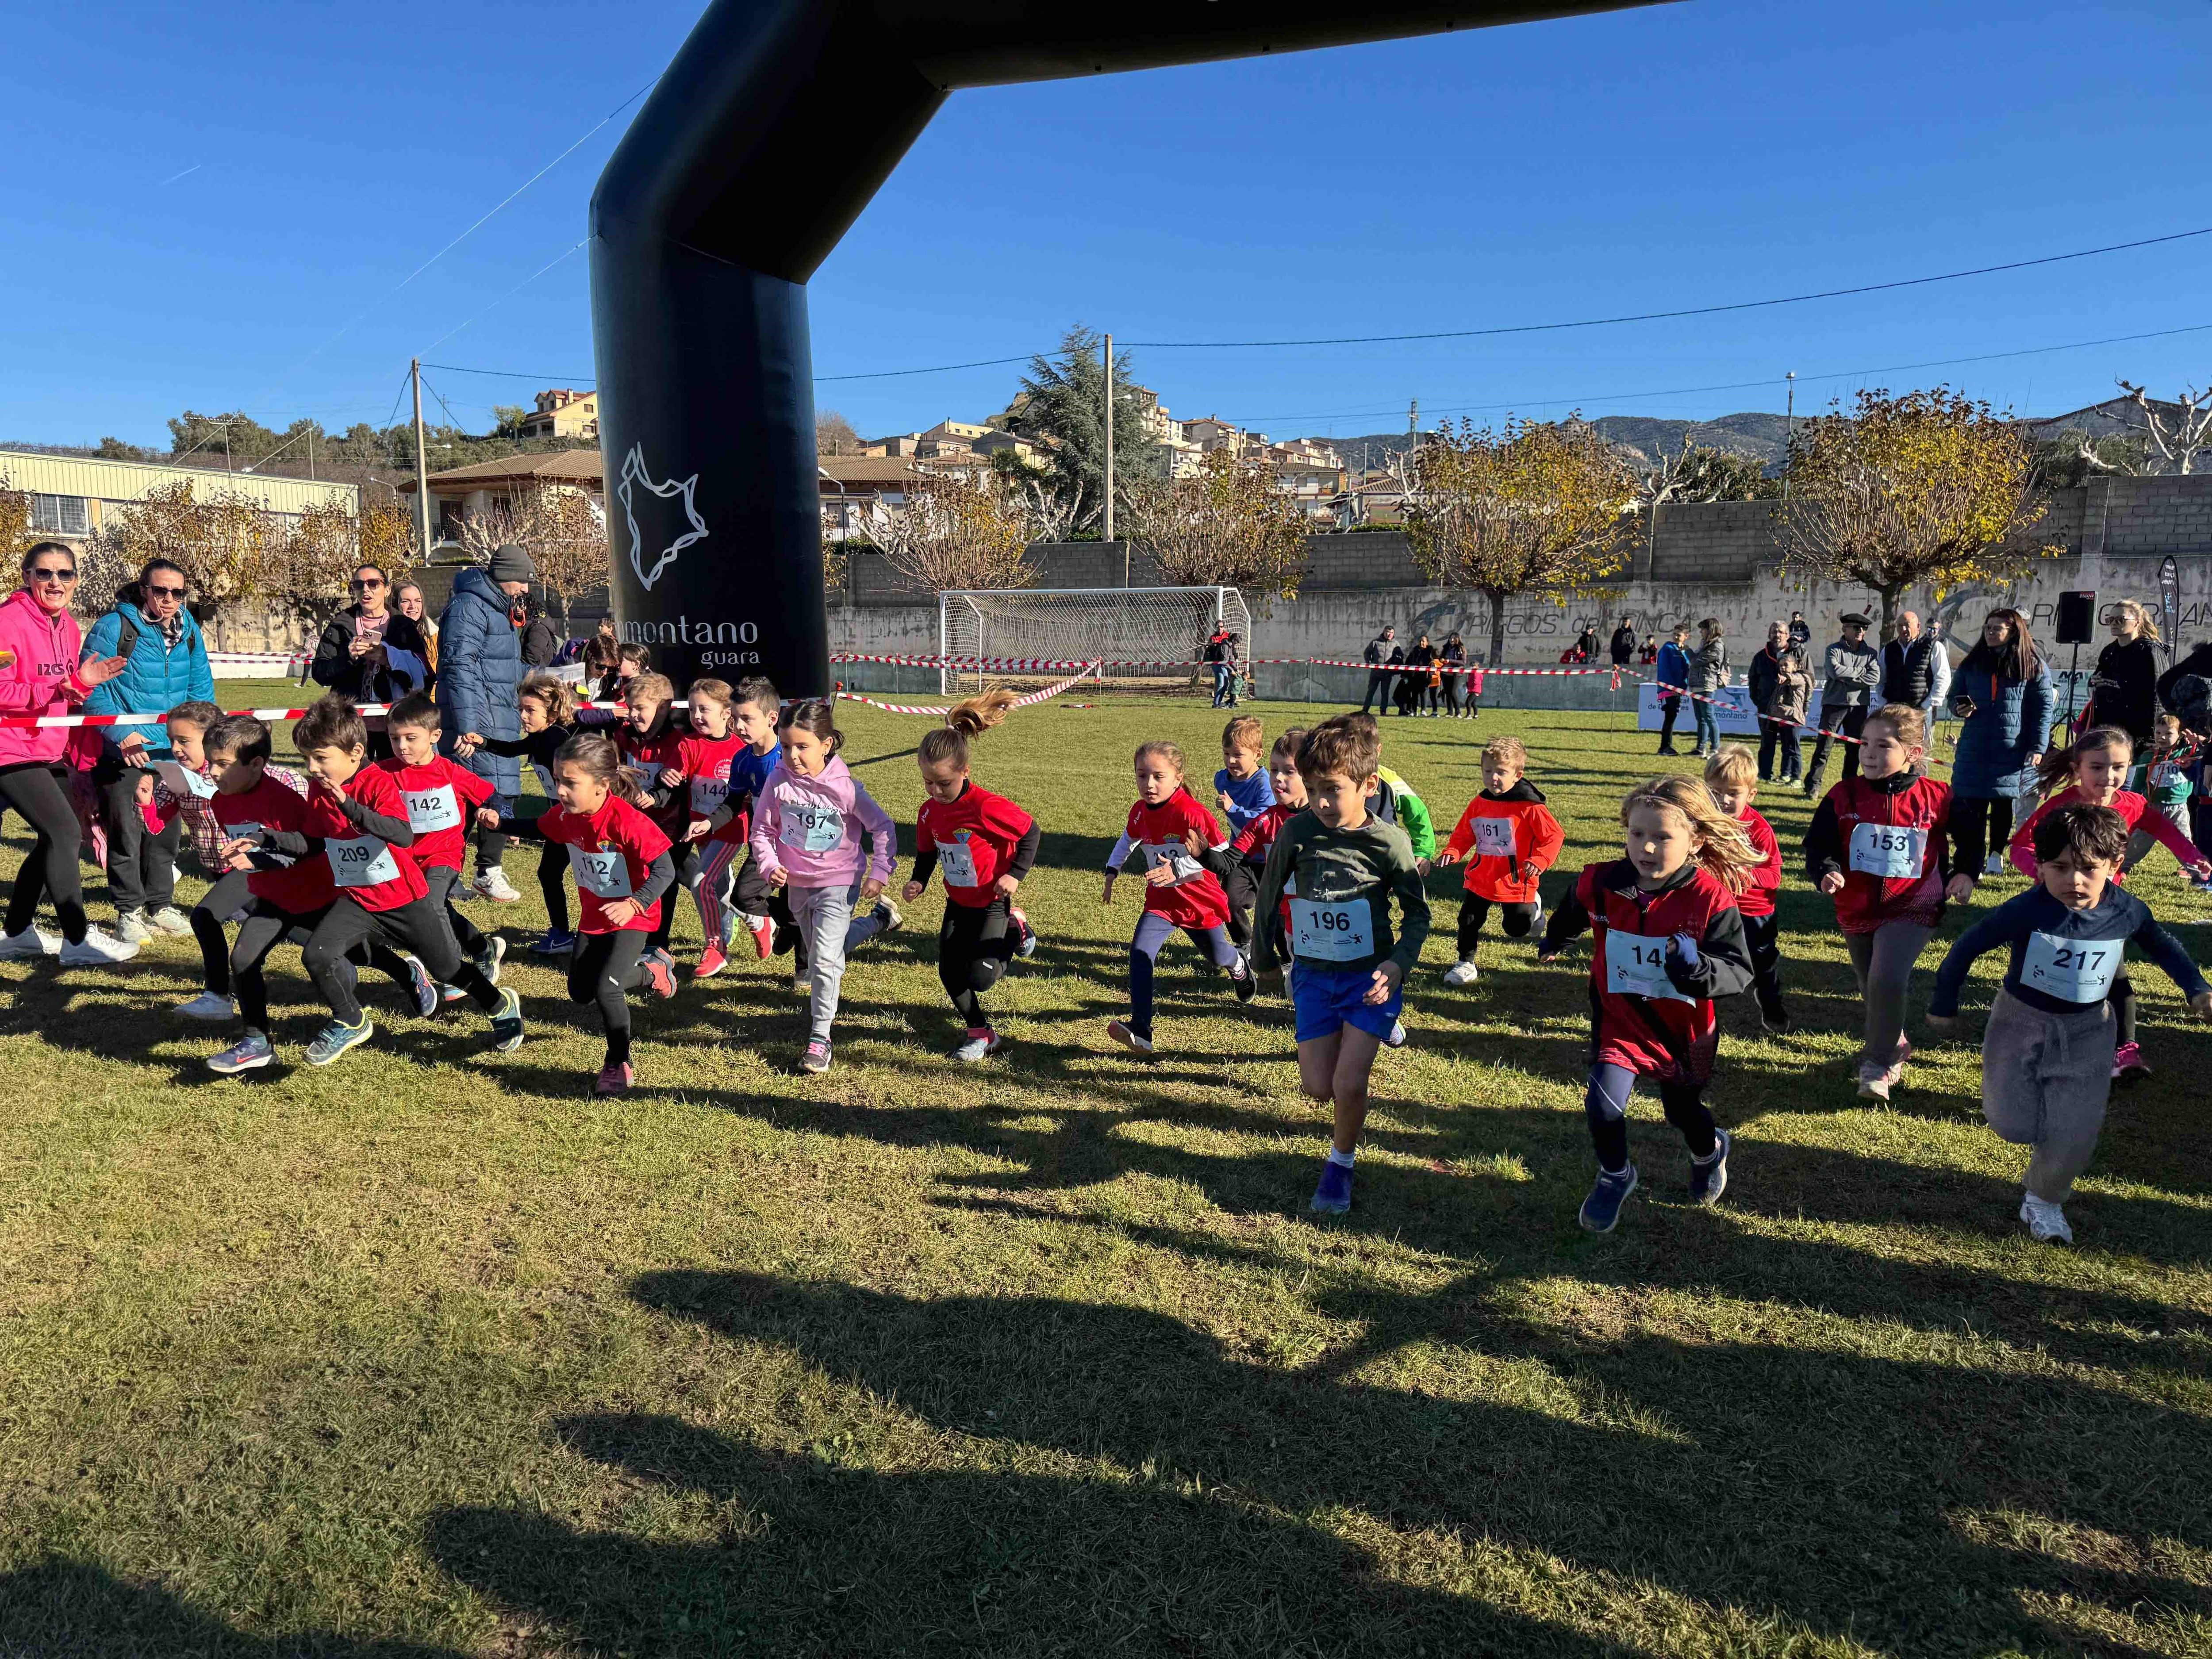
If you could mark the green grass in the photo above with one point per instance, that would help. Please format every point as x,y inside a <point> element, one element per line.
<point>431,1353</point>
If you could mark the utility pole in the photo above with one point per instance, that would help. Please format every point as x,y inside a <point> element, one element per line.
<point>1109,459</point>
<point>1789,431</point>
<point>421,467</point>
<point>311,455</point>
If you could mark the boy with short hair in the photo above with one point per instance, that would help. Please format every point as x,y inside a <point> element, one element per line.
<point>1732,779</point>
<point>1508,838</point>
<point>1338,867</point>
<point>442,797</point>
<point>755,714</point>
<point>2046,1050</point>
<point>1243,789</point>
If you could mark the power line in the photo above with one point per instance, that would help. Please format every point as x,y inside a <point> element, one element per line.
<point>505,297</point>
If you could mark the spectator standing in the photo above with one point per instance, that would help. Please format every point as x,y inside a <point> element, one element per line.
<point>408,598</point>
<point>1673,672</point>
<point>1378,678</point>
<point>1853,671</point>
<point>1915,668</point>
<point>1709,676</point>
<point>1586,644</point>
<point>601,652</point>
<point>1782,692</point>
<point>371,652</point>
<point>1220,656</point>
<point>1801,631</point>
<point>2124,692</point>
<point>1423,659</point>
<point>482,671</point>
<point>1453,656</point>
<point>2001,691</point>
<point>541,641</point>
<point>165,663</point>
<point>1622,648</point>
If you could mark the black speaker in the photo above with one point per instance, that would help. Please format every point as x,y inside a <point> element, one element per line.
<point>2077,618</point>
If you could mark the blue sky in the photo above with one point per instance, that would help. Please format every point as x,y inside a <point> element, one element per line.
<point>1680,155</point>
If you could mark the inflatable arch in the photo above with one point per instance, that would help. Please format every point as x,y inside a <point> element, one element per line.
<point>769,132</point>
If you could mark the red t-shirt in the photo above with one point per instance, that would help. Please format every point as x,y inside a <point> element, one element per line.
<point>1758,899</point>
<point>301,888</point>
<point>612,852</point>
<point>648,758</point>
<point>1193,898</point>
<point>974,837</point>
<point>367,869</point>
<point>441,799</point>
<point>705,763</point>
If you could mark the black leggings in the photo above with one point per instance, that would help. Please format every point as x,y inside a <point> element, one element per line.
<point>264,928</point>
<point>1241,885</point>
<point>1764,935</point>
<point>418,924</point>
<point>974,946</point>
<point>1450,689</point>
<point>553,885</point>
<point>441,883</point>
<point>37,791</point>
<point>2122,996</point>
<point>602,969</point>
<point>685,856</point>
<point>1519,920</point>
<point>1978,828</point>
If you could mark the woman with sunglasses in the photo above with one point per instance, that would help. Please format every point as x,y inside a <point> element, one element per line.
<point>165,663</point>
<point>40,675</point>
<point>371,652</point>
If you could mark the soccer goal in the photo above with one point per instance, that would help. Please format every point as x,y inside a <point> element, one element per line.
<point>1150,632</point>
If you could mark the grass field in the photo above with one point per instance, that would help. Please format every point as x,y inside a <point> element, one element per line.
<point>431,1353</point>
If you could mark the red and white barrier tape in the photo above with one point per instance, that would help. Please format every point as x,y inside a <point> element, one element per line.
<point>1050,692</point>
<point>1033,664</point>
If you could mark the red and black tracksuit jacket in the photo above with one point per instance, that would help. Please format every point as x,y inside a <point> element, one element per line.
<point>1901,801</point>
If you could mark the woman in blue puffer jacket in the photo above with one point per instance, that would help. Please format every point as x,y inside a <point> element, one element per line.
<point>479,672</point>
<point>2002,692</point>
<point>165,666</point>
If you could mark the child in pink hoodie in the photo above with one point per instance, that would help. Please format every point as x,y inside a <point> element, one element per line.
<point>806,841</point>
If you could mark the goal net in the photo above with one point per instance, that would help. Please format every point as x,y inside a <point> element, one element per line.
<point>1149,638</point>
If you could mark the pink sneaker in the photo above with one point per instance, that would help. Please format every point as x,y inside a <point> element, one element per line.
<point>711,963</point>
<point>615,1078</point>
<point>816,1059</point>
<point>2129,1067</point>
<point>658,975</point>
<point>763,932</point>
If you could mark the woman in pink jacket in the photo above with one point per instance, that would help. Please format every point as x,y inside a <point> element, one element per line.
<point>806,841</point>
<point>39,675</point>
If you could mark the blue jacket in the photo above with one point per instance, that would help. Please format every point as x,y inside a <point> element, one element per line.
<point>2011,721</point>
<point>479,672</point>
<point>1674,665</point>
<point>157,679</point>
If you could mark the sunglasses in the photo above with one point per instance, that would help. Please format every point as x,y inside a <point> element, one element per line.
<point>164,592</point>
<point>370,581</point>
<point>49,574</point>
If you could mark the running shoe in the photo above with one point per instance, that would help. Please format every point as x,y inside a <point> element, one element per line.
<point>208,1004</point>
<point>1873,1081</point>
<point>1397,1037</point>
<point>1246,983</point>
<point>428,994</point>
<point>1994,864</point>
<point>33,942</point>
<point>1463,973</point>
<point>978,1045</point>
<point>1774,1019</point>
<point>249,1051</point>
<point>1128,1037</point>
<point>1601,1209</point>
<point>615,1078</point>
<point>488,959</point>
<point>711,963</point>
<point>817,1057</point>
<point>1333,1196</point>
<point>2129,1067</point>
<point>335,1038</point>
<point>131,926</point>
<point>506,1022</point>
<point>2046,1223</point>
<point>659,974</point>
<point>493,885</point>
<point>1709,1174</point>
<point>888,915</point>
<point>763,932</point>
<point>553,942</point>
<point>97,950</point>
<point>168,920</point>
<point>1027,947</point>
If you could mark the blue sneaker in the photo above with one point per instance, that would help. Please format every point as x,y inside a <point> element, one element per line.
<point>335,1038</point>
<point>1602,1207</point>
<point>427,996</point>
<point>1333,1196</point>
<point>553,942</point>
<point>506,1022</point>
<point>1709,1175</point>
<point>249,1051</point>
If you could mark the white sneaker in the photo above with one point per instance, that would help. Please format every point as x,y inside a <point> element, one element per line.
<point>493,885</point>
<point>169,920</point>
<point>33,941</point>
<point>1461,973</point>
<point>1994,864</point>
<point>131,926</point>
<point>1397,1037</point>
<point>98,950</point>
<point>2046,1222</point>
<point>208,1004</point>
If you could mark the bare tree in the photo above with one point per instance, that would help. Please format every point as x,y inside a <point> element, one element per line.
<point>2177,433</point>
<point>1228,527</point>
<point>955,533</point>
<point>563,531</point>
<point>834,435</point>
<point>224,545</point>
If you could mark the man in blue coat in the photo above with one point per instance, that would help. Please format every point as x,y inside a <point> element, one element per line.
<point>167,664</point>
<point>479,672</point>
<point>1672,673</point>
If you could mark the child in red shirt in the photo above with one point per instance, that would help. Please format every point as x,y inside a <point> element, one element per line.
<point>441,798</point>
<point>986,847</point>
<point>1509,838</point>
<point>652,744</point>
<point>1249,847</point>
<point>1180,892</point>
<point>713,837</point>
<point>1732,779</point>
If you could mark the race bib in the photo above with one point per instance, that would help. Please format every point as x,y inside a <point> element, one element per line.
<point>429,810</point>
<point>545,781</point>
<point>707,795</point>
<point>1895,852</point>
<point>251,832</point>
<point>2070,969</point>
<point>1636,966</point>
<point>2163,776</point>
<point>1493,838</point>
<point>1322,931</point>
<point>957,860</point>
<point>812,829</point>
<point>605,873</point>
<point>360,862</point>
<point>1175,856</point>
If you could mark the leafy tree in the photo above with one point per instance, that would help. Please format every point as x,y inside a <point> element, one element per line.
<point>507,419</point>
<point>224,545</point>
<point>16,537</point>
<point>236,434</point>
<point>1924,487</point>
<point>1541,507</point>
<point>1229,527</point>
<point>386,534</point>
<point>1063,405</point>
<point>114,449</point>
<point>308,567</point>
<point>834,435</point>
<point>954,533</point>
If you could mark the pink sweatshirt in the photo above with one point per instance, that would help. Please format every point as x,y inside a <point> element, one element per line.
<point>40,680</point>
<point>2129,805</point>
<point>810,828</point>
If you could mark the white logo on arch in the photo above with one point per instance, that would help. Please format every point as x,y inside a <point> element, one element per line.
<point>635,477</point>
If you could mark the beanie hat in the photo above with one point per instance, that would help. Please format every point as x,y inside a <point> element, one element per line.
<point>511,565</point>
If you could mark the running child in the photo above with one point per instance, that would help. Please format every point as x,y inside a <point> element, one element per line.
<point>2091,770</point>
<point>547,706</point>
<point>2168,782</point>
<point>2044,1082</point>
<point>1667,939</point>
<point>442,797</point>
<point>757,714</point>
<point>1339,868</point>
<point>1732,779</point>
<point>986,846</point>
<point>234,766</point>
<point>1880,845</point>
<point>1249,847</point>
<point>185,805</point>
<point>806,838</point>
<point>1243,792</point>
<point>1180,892</point>
<point>713,837</point>
<point>623,875</point>
<point>651,739</point>
<point>1509,838</point>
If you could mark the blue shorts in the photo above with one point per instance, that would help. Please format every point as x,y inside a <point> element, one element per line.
<point>1327,1000</point>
